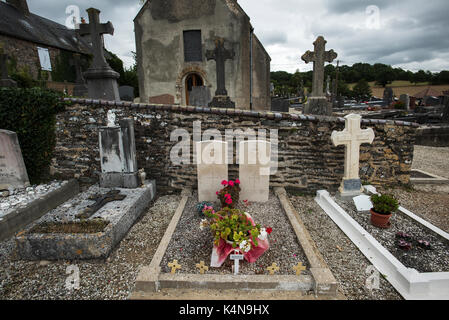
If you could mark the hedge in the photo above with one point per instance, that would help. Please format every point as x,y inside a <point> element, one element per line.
<point>31,113</point>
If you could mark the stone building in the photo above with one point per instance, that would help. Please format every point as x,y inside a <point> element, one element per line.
<point>172,38</point>
<point>35,44</point>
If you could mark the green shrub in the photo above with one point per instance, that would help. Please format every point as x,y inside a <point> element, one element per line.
<point>31,113</point>
<point>384,204</point>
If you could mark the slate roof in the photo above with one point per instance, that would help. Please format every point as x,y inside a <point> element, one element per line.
<point>39,30</point>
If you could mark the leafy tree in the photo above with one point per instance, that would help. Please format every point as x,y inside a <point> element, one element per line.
<point>362,90</point>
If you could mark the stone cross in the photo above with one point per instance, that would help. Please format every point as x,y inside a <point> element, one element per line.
<point>237,256</point>
<point>96,30</point>
<point>299,268</point>
<point>174,266</point>
<point>319,57</point>
<point>273,268</point>
<point>220,55</point>
<point>352,137</point>
<point>100,202</point>
<point>202,267</point>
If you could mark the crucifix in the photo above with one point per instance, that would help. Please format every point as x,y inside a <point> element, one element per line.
<point>96,30</point>
<point>237,256</point>
<point>220,55</point>
<point>352,137</point>
<point>100,202</point>
<point>319,57</point>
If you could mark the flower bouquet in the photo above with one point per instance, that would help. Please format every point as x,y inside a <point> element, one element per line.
<point>229,195</point>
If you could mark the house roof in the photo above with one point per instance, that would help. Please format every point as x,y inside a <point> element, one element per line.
<point>39,30</point>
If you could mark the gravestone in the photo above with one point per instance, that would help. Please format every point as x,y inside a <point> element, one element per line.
<point>5,80</point>
<point>254,170</point>
<point>212,168</point>
<point>126,93</point>
<point>199,96</point>
<point>445,103</point>
<point>352,137</point>
<point>405,98</point>
<point>101,79</point>
<point>13,172</point>
<point>388,96</point>
<point>280,105</point>
<point>220,54</point>
<point>317,103</point>
<point>118,155</point>
<point>80,88</point>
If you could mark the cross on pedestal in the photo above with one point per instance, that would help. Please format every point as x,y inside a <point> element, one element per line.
<point>299,268</point>
<point>220,55</point>
<point>237,256</point>
<point>202,267</point>
<point>319,57</point>
<point>273,268</point>
<point>352,137</point>
<point>174,266</point>
<point>96,30</point>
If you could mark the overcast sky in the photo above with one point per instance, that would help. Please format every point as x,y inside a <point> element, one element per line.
<point>412,34</point>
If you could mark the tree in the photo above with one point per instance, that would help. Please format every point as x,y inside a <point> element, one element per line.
<point>362,90</point>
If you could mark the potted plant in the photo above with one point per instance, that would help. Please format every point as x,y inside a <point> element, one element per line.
<point>383,208</point>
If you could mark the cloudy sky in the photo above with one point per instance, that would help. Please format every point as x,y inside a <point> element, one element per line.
<point>412,34</point>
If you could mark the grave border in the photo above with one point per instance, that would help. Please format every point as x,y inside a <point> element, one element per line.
<point>433,178</point>
<point>322,282</point>
<point>411,284</point>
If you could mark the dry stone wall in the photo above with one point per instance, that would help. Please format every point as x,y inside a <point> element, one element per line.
<point>307,160</point>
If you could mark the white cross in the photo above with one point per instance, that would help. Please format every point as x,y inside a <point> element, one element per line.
<point>236,257</point>
<point>352,137</point>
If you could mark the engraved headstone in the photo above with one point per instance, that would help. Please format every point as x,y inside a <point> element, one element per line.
<point>212,168</point>
<point>317,103</point>
<point>254,170</point>
<point>12,167</point>
<point>405,98</point>
<point>280,105</point>
<point>199,96</point>
<point>388,96</point>
<point>126,93</point>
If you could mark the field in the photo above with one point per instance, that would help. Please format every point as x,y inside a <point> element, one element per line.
<point>404,87</point>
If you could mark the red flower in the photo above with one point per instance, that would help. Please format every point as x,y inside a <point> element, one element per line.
<point>237,181</point>
<point>217,193</point>
<point>228,201</point>
<point>269,230</point>
<point>224,182</point>
<point>231,183</point>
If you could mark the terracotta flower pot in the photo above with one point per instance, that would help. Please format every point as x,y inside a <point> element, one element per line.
<point>380,220</point>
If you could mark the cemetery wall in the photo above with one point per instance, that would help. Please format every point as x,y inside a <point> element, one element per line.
<point>307,160</point>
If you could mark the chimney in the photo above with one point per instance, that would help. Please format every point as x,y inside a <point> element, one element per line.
<point>20,5</point>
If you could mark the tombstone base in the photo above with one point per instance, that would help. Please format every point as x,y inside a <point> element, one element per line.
<point>349,189</point>
<point>8,83</point>
<point>80,90</point>
<point>120,180</point>
<point>102,84</point>
<point>318,106</point>
<point>222,102</point>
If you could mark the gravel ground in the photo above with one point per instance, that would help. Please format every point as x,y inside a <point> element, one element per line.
<point>346,262</point>
<point>190,245</point>
<point>431,159</point>
<point>110,279</point>
<point>434,260</point>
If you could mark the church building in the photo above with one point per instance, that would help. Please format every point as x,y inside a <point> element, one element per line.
<point>173,38</point>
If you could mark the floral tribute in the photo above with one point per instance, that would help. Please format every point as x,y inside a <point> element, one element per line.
<point>234,229</point>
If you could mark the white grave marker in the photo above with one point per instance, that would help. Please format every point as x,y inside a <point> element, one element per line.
<point>237,256</point>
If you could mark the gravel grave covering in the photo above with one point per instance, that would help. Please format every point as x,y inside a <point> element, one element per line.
<point>99,280</point>
<point>347,263</point>
<point>434,260</point>
<point>190,245</point>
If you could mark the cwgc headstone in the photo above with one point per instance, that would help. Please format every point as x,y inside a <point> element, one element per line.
<point>405,98</point>
<point>199,96</point>
<point>388,96</point>
<point>280,105</point>
<point>254,170</point>
<point>212,168</point>
<point>5,80</point>
<point>13,172</point>
<point>126,93</point>
<point>101,79</point>
<point>317,103</point>
<point>352,137</point>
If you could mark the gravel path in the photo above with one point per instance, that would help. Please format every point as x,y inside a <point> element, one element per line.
<point>110,279</point>
<point>346,262</point>
<point>190,245</point>
<point>431,159</point>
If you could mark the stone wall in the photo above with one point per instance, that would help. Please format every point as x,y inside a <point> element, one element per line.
<point>307,159</point>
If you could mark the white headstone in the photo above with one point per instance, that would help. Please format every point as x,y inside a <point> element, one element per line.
<point>254,170</point>
<point>352,137</point>
<point>12,167</point>
<point>212,168</point>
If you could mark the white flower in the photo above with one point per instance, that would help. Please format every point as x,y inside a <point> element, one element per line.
<point>203,223</point>
<point>245,246</point>
<point>263,234</point>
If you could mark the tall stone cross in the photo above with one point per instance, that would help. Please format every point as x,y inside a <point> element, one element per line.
<point>220,55</point>
<point>352,137</point>
<point>319,57</point>
<point>96,30</point>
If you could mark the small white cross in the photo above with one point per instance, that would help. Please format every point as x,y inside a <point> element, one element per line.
<point>237,256</point>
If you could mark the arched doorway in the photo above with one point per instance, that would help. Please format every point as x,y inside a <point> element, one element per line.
<point>192,80</point>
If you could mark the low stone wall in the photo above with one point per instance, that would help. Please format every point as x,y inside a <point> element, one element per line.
<point>307,160</point>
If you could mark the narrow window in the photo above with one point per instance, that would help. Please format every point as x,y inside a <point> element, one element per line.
<point>192,46</point>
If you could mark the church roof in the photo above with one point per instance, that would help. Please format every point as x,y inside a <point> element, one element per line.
<point>34,28</point>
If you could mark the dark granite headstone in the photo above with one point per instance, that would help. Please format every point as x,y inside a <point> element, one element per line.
<point>126,93</point>
<point>388,96</point>
<point>280,105</point>
<point>199,96</point>
<point>5,80</point>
